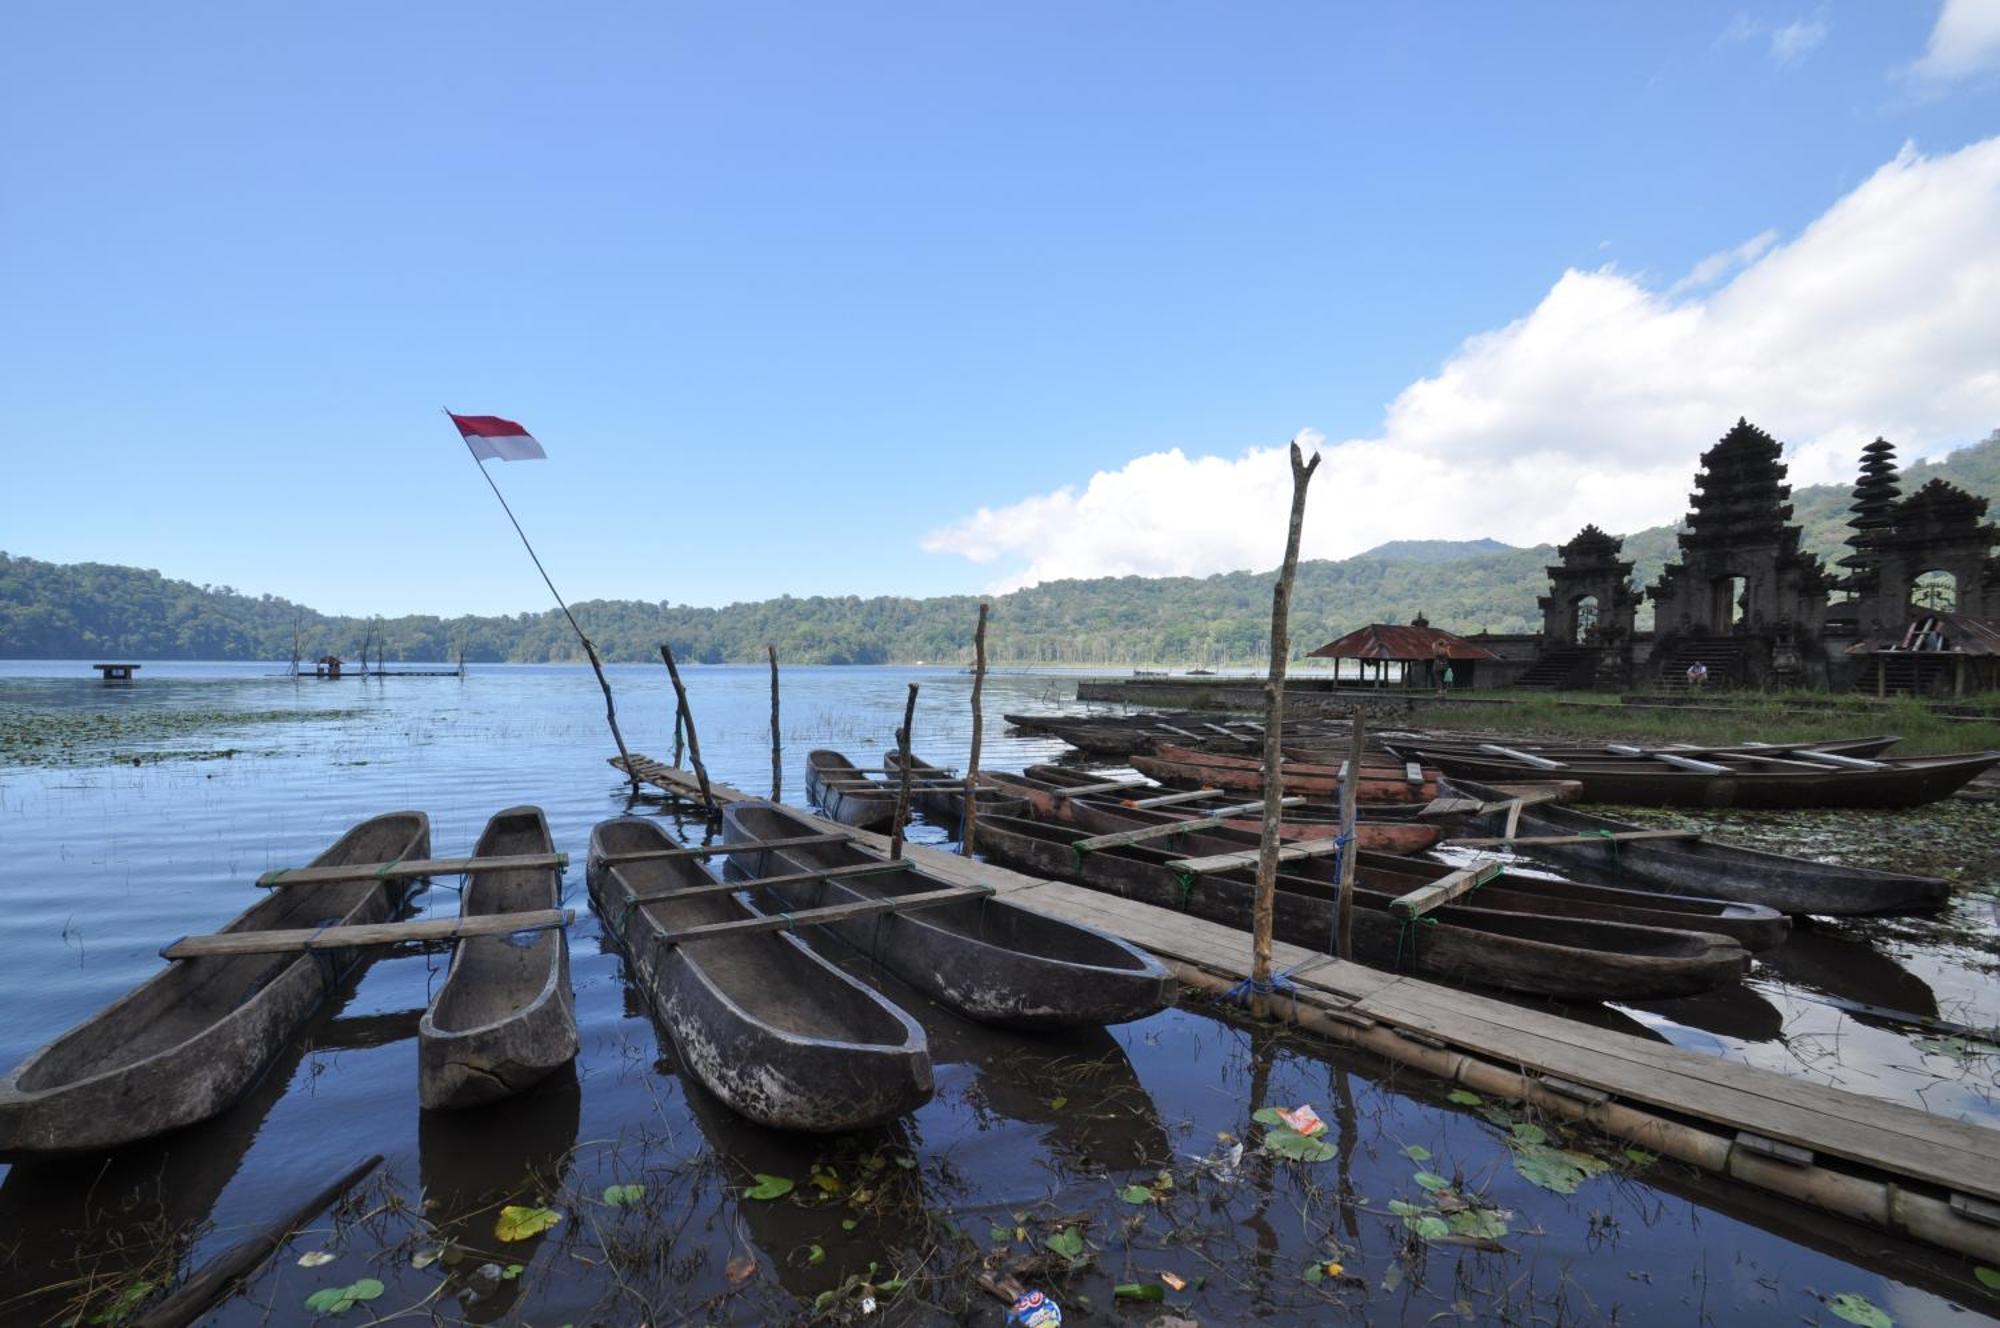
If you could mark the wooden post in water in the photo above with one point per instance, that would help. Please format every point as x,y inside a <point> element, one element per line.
<point>903,779</point>
<point>684,715</point>
<point>1274,722</point>
<point>777,752</point>
<point>969,822</point>
<point>680,737</point>
<point>1344,915</point>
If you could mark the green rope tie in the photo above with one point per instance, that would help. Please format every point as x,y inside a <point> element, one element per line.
<point>1076,855</point>
<point>1186,879</point>
<point>1611,839</point>
<point>382,872</point>
<point>1410,932</point>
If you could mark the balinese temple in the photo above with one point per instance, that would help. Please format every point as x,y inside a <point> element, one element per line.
<point>1918,607</point>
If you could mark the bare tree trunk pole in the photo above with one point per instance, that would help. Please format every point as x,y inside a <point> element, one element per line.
<point>969,822</point>
<point>777,752</point>
<point>680,736</point>
<point>1344,915</point>
<point>687,718</point>
<point>610,710</point>
<point>903,779</point>
<point>1274,721</point>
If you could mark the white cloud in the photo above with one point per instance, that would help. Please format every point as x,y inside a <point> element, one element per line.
<point>1716,266</point>
<point>1881,317</point>
<point>1796,40</point>
<point>1965,42</point>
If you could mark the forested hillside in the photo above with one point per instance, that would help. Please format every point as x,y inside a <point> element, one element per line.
<point>58,611</point>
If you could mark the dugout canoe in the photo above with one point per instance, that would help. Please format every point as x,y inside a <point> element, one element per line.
<point>1311,782</point>
<point>1747,781</point>
<point>780,1035</point>
<point>1706,866</point>
<point>990,960</point>
<point>504,1016</point>
<point>1533,953</point>
<point>1518,889</point>
<point>840,790</point>
<point>1624,754</point>
<point>1045,799</point>
<point>942,795</point>
<point>188,1042</point>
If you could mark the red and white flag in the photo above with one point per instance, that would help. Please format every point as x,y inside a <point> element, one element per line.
<point>491,437</point>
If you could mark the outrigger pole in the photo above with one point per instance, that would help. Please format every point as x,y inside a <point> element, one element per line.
<point>589,650</point>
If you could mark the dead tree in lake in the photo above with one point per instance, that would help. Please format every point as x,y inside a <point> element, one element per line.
<point>969,818</point>
<point>903,777</point>
<point>685,716</point>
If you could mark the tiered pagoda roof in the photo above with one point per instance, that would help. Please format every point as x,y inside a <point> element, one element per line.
<point>1740,494</point>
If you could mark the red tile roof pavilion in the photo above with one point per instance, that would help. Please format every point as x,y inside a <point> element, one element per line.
<point>1408,645</point>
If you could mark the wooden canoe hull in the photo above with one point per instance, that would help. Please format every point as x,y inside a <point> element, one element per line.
<point>830,780</point>
<point>990,960</point>
<point>1523,891</point>
<point>947,804</point>
<point>1553,957</point>
<point>1183,775</point>
<point>776,1032</point>
<point>504,1017</point>
<point>1710,867</point>
<point>168,1053</point>
<point>1908,783</point>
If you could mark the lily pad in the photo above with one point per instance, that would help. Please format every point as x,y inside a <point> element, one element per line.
<point>1268,1116</point>
<point>1430,1228</point>
<point>1067,1242</point>
<point>1416,1152</point>
<point>124,1304</point>
<point>519,1223</point>
<point>769,1187</point>
<point>1289,1143</point>
<point>1528,1132</point>
<point>1463,1097</point>
<point>339,1300</point>
<point>1430,1180</point>
<point>1136,1194</point>
<point>1988,1277</point>
<point>1641,1157</point>
<point>623,1196</point>
<point>816,1255</point>
<point>1556,1169</point>
<point>1857,1308</point>
<point>1487,1222</point>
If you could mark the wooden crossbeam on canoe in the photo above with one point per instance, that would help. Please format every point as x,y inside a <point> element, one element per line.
<point>1689,763</point>
<point>1445,889</point>
<point>1311,848</point>
<point>1108,786</point>
<point>1413,773</point>
<point>1525,758</point>
<point>933,772</point>
<point>1529,841</point>
<point>722,850</point>
<point>1839,759</point>
<point>1174,799</point>
<point>765,882</point>
<point>1449,807</point>
<point>307,939</point>
<point>1145,832</point>
<point>815,917</point>
<point>408,869</point>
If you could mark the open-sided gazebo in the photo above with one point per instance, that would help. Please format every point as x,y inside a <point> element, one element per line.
<point>1423,652</point>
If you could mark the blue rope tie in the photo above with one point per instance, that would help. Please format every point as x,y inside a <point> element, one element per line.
<point>1340,843</point>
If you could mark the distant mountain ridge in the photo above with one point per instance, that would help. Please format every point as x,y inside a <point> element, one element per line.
<point>60,611</point>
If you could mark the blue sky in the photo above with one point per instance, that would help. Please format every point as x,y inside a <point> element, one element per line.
<point>790,291</point>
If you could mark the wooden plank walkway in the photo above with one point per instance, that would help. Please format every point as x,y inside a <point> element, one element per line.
<point>1868,1133</point>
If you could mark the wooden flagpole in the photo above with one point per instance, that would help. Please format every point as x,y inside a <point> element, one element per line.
<point>589,650</point>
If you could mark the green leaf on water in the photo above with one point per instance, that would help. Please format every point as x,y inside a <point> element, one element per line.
<point>816,1255</point>
<point>314,1258</point>
<point>1138,1291</point>
<point>120,1309</point>
<point>1988,1277</point>
<point>1268,1116</point>
<point>1058,1103</point>
<point>1555,1169</point>
<point>1485,1222</point>
<point>513,1270</point>
<point>623,1196</point>
<point>1416,1152</point>
<point>1402,1209</point>
<point>1068,1243</point>
<point>1430,1180</point>
<point>1431,1228</point>
<point>769,1187</point>
<point>424,1258</point>
<point>1856,1308</point>
<point>1642,1157</point>
<point>1528,1132</point>
<point>518,1223</point>
<point>1463,1098</point>
<point>331,1300</point>
<point>848,1224</point>
<point>999,1233</point>
<point>1315,1273</point>
<point>1136,1194</point>
<point>1289,1143</point>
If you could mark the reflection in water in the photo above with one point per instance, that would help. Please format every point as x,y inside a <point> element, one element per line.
<point>135,1213</point>
<point>1735,1011</point>
<point>474,1162</point>
<point>1850,970</point>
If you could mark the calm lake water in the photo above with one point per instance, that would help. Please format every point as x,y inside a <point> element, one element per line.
<point>1109,1150</point>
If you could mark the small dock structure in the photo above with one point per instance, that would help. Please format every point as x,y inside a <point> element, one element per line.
<point>116,672</point>
<point>1925,1177</point>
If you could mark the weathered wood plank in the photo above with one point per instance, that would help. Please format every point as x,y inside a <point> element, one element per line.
<point>1529,841</point>
<point>814,917</point>
<point>1311,848</point>
<point>304,939</point>
<point>1445,889</point>
<point>1173,799</point>
<point>1219,816</point>
<point>723,850</point>
<point>409,869</point>
<point>1525,758</point>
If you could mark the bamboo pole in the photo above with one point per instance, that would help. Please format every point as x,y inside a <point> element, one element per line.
<point>969,822</point>
<point>1349,788</point>
<point>686,716</point>
<point>589,650</point>
<point>777,752</point>
<point>1274,719</point>
<point>903,780</point>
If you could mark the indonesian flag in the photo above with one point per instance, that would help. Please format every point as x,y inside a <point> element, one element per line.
<point>491,437</point>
